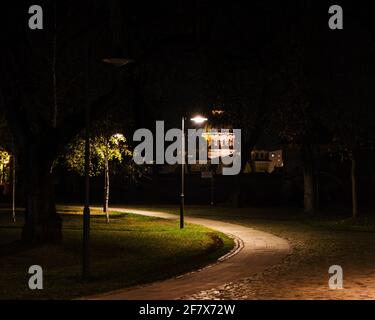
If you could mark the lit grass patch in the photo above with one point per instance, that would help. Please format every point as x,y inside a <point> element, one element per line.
<point>130,250</point>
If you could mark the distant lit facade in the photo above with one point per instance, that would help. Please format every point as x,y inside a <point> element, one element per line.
<point>260,161</point>
<point>265,161</point>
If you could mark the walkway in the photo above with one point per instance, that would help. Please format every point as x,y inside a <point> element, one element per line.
<point>255,251</point>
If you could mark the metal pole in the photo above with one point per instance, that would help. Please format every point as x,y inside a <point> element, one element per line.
<point>212,189</point>
<point>14,188</point>
<point>182,174</point>
<point>86,210</point>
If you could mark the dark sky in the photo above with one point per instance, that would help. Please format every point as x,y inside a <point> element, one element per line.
<point>191,55</point>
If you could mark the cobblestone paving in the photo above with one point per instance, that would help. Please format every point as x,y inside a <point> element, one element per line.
<point>299,287</point>
<point>303,275</point>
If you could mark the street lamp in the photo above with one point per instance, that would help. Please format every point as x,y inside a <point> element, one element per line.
<point>197,120</point>
<point>117,62</point>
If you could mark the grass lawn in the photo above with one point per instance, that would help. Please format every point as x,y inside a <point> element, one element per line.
<point>317,244</point>
<point>132,249</point>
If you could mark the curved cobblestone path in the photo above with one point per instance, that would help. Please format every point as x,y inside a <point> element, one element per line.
<point>254,252</point>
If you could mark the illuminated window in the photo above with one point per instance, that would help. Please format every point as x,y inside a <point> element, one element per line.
<point>217,112</point>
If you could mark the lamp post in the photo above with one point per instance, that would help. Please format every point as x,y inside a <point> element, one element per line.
<point>197,120</point>
<point>182,196</point>
<point>14,183</point>
<point>86,210</point>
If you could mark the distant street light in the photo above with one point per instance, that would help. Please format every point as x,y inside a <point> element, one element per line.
<point>197,120</point>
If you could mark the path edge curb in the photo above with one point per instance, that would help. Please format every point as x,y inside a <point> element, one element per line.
<point>238,246</point>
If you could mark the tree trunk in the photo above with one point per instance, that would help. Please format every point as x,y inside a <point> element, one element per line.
<point>316,165</point>
<point>236,191</point>
<point>106,188</point>
<point>14,188</point>
<point>308,181</point>
<point>42,223</point>
<point>54,81</point>
<point>354,189</point>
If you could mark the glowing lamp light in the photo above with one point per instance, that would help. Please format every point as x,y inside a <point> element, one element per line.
<point>199,119</point>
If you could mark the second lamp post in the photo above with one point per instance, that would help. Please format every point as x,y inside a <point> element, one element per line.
<point>196,120</point>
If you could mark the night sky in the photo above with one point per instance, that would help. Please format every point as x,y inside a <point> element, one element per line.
<point>190,54</point>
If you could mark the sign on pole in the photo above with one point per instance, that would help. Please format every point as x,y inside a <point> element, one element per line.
<point>206,174</point>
